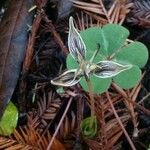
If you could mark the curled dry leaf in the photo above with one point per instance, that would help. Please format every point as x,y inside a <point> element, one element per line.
<point>13,39</point>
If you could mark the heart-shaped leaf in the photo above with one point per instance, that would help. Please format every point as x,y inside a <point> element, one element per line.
<point>71,63</point>
<point>111,39</point>
<point>99,85</point>
<point>91,38</point>
<point>128,78</point>
<point>135,53</point>
<point>115,35</point>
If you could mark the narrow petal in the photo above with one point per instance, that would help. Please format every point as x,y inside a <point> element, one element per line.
<point>68,78</point>
<point>75,43</point>
<point>107,69</point>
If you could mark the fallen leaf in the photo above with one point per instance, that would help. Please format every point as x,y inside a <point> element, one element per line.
<point>13,40</point>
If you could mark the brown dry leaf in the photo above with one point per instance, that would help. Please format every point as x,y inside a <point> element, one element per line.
<point>29,139</point>
<point>13,39</point>
<point>47,109</point>
<point>57,145</point>
<point>10,144</point>
<point>116,13</point>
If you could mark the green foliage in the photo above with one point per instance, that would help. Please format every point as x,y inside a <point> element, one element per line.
<point>148,147</point>
<point>9,120</point>
<point>135,53</point>
<point>89,127</point>
<point>113,46</point>
<point>128,78</point>
<point>100,86</point>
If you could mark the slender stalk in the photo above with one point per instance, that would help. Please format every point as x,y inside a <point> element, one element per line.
<point>90,88</point>
<point>120,122</point>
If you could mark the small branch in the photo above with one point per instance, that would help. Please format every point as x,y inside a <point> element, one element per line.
<point>60,122</point>
<point>144,98</point>
<point>27,61</point>
<point>30,50</point>
<point>57,37</point>
<point>120,123</point>
<point>123,93</point>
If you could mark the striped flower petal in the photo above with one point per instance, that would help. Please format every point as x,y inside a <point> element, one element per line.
<point>107,69</point>
<point>68,78</point>
<point>75,43</point>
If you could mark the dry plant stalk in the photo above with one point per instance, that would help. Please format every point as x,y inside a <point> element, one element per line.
<point>120,122</point>
<point>115,14</point>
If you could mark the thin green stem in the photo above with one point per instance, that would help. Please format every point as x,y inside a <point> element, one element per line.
<point>92,101</point>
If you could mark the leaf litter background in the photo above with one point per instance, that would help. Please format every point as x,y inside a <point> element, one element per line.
<point>48,118</point>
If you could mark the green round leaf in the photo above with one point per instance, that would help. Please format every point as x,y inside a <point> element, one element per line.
<point>99,85</point>
<point>9,120</point>
<point>128,78</point>
<point>135,53</point>
<point>91,38</point>
<point>89,127</point>
<point>115,35</point>
<point>110,38</point>
<point>71,63</point>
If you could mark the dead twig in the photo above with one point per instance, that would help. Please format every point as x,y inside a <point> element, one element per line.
<point>57,37</point>
<point>120,123</point>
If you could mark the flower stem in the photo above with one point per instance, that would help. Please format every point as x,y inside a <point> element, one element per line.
<point>92,101</point>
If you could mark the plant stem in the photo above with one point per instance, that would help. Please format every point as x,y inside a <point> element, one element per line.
<point>90,88</point>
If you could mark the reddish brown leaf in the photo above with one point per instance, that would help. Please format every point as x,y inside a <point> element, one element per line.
<point>13,40</point>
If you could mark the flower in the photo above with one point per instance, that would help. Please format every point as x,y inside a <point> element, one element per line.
<point>86,68</point>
